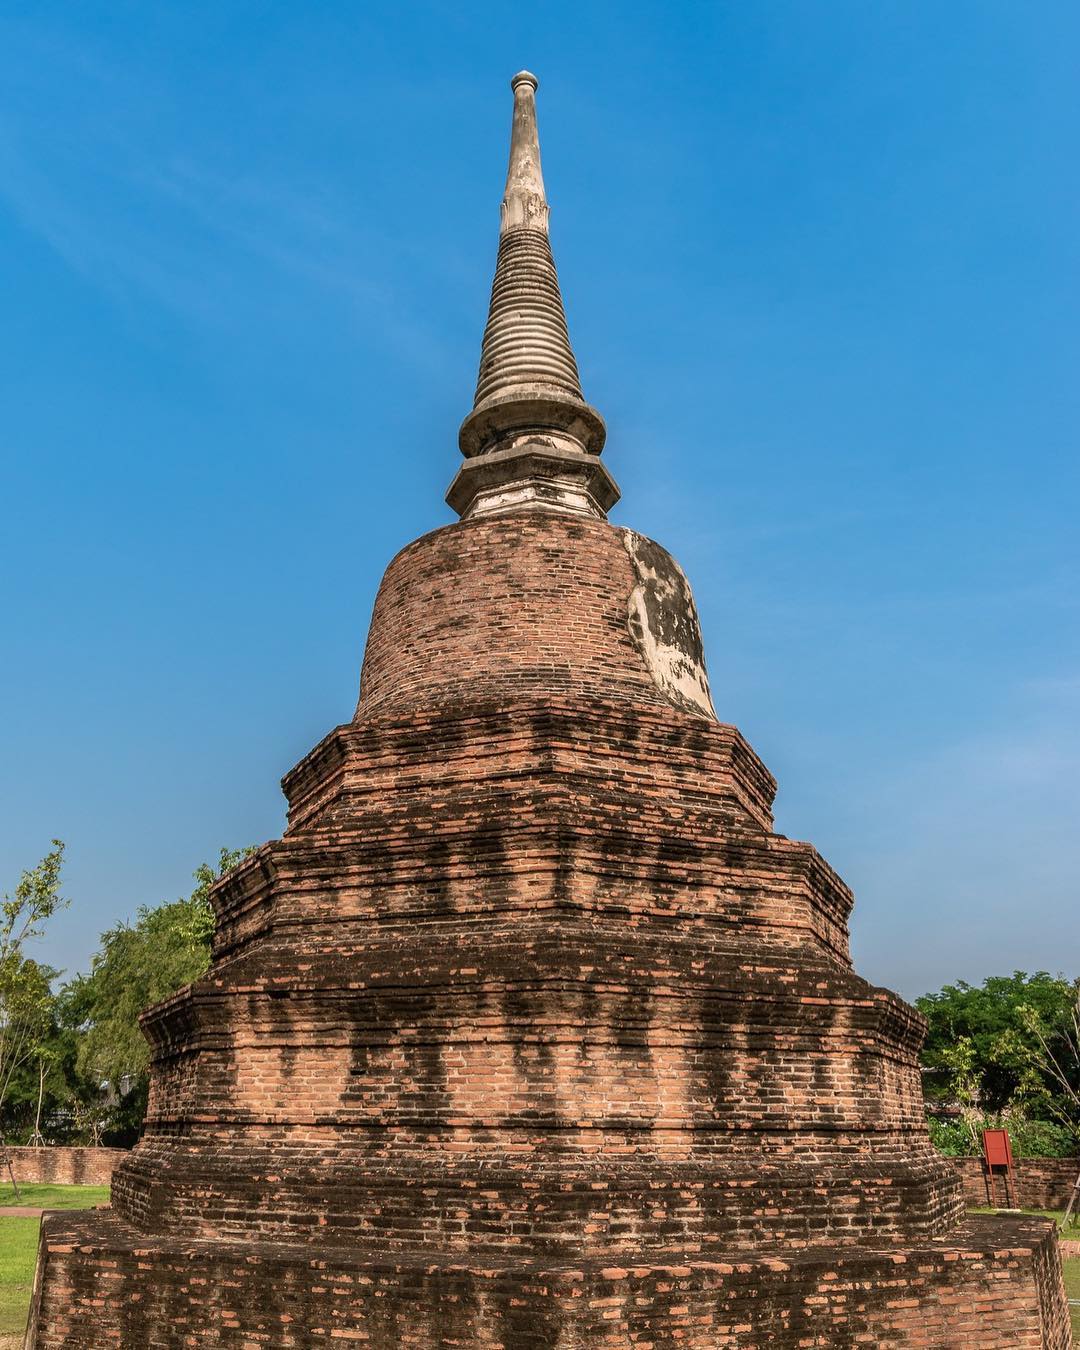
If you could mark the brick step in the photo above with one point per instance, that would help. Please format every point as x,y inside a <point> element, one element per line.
<point>993,1284</point>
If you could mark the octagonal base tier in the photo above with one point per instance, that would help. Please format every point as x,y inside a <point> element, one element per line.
<point>531,1032</point>
<point>994,1284</point>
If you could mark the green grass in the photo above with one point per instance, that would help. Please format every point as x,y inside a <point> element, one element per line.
<point>1056,1214</point>
<point>18,1255</point>
<point>19,1240</point>
<point>1072,1288</point>
<point>54,1197</point>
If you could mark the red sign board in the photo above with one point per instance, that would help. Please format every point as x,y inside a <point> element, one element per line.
<point>996,1149</point>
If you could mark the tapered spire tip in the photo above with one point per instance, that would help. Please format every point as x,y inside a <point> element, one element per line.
<point>524,204</point>
<point>531,440</point>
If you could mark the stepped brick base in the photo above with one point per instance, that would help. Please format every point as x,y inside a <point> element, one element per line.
<point>531,1033</point>
<point>994,1283</point>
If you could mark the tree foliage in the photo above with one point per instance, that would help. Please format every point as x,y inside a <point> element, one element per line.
<point>73,1062</point>
<point>137,966</point>
<point>1006,1052</point>
<point>26,1003</point>
<point>1030,1138</point>
<point>989,1032</point>
<point>1043,1049</point>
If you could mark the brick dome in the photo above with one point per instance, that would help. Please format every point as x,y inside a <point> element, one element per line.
<point>536,603</point>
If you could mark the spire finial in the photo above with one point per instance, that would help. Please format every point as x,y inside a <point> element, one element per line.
<point>531,441</point>
<point>524,204</point>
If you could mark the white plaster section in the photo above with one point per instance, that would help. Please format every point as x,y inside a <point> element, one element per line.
<point>524,203</point>
<point>564,495</point>
<point>664,625</point>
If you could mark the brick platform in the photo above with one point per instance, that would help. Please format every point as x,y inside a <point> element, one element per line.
<point>990,1285</point>
<point>530,1031</point>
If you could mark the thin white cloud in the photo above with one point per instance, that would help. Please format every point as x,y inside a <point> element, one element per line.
<point>982,873</point>
<point>139,218</point>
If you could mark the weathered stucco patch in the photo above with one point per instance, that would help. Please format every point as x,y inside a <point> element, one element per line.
<point>664,625</point>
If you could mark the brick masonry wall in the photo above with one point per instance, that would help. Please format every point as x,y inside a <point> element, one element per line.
<point>64,1166</point>
<point>510,603</point>
<point>558,947</point>
<point>1042,1183</point>
<point>530,1032</point>
<point>997,1283</point>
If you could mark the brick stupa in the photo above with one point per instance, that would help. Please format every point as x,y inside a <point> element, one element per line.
<point>530,1032</point>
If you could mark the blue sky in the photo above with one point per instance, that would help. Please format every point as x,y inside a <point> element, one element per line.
<point>821,269</point>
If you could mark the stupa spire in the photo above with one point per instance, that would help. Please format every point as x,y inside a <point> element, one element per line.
<point>524,202</point>
<point>531,440</point>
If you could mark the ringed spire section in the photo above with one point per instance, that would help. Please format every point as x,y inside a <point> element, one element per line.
<point>531,440</point>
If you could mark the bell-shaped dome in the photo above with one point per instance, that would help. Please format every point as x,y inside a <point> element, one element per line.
<point>533,604</point>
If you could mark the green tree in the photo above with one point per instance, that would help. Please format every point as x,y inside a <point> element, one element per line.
<point>26,1000</point>
<point>37,1087</point>
<point>1043,1050</point>
<point>995,1028</point>
<point>958,1068</point>
<point>137,966</point>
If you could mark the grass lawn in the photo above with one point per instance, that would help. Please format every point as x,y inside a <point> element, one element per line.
<point>18,1252</point>
<point>1072,1288</point>
<point>54,1197</point>
<point>1072,1232</point>
<point>18,1245</point>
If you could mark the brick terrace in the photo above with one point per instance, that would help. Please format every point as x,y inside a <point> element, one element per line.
<point>531,1032</point>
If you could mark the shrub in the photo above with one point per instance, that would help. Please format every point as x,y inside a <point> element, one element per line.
<point>951,1137</point>
<point>1042,1139</point>
<point>1030,1138</point>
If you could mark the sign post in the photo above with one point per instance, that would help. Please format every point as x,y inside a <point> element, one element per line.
<point>998,1159</point>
